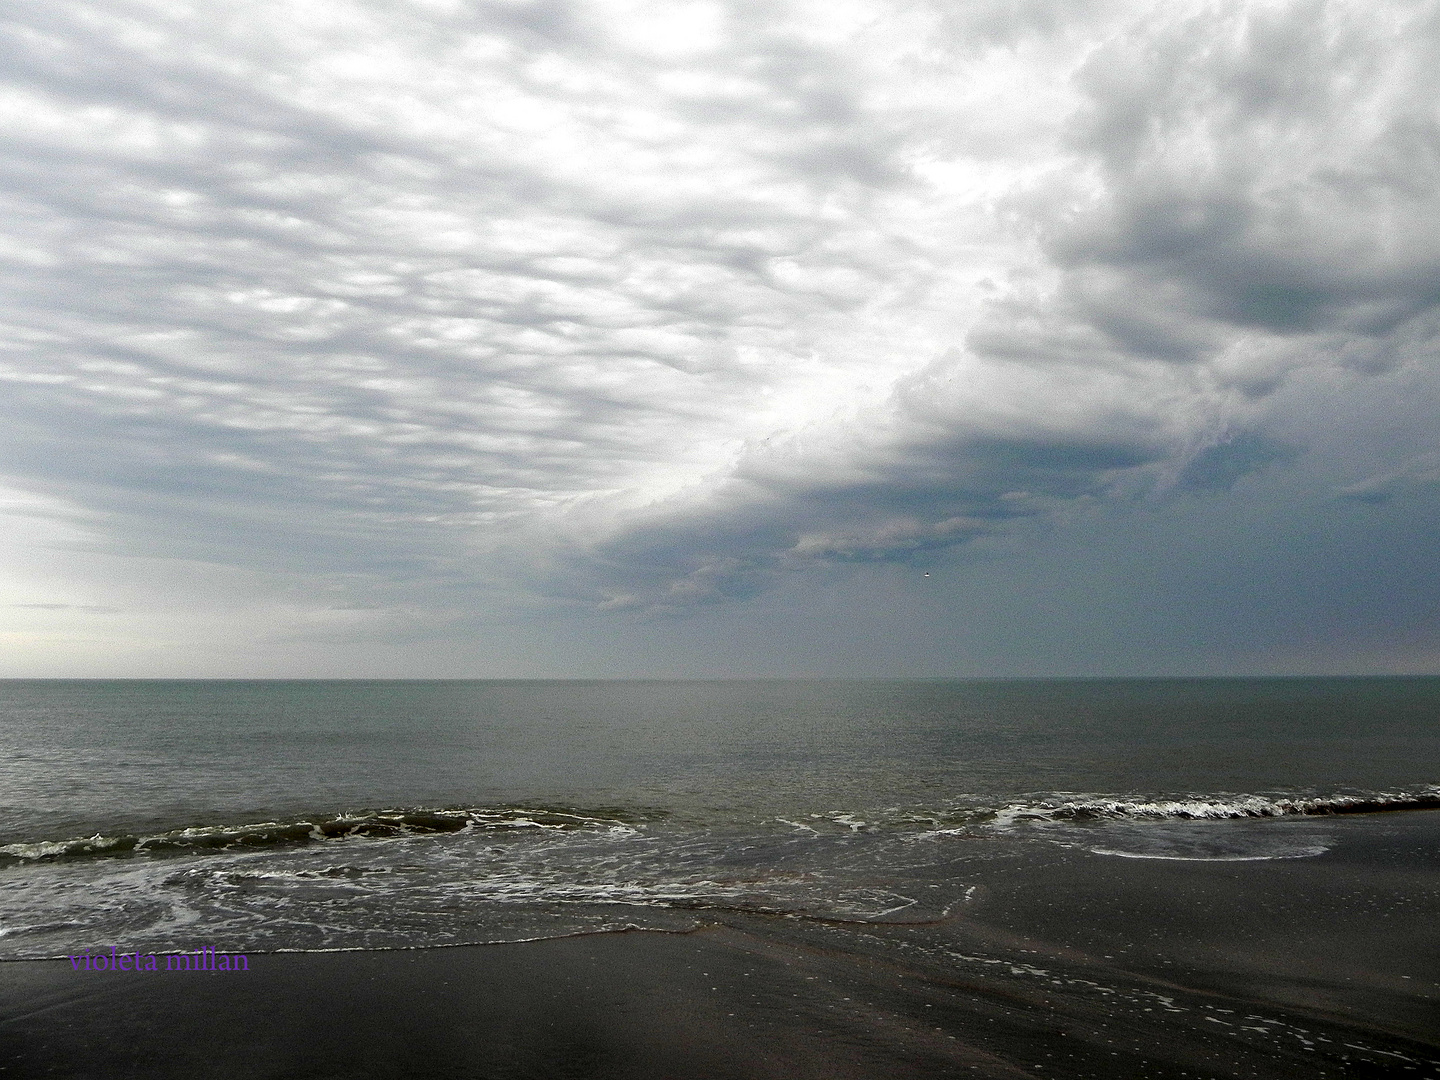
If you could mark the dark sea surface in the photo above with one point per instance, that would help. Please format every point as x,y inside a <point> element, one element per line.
<point>1082,837</point>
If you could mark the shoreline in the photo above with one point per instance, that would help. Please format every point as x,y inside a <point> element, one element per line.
<point>1063,963</point>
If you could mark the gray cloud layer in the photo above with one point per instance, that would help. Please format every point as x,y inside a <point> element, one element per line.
<point>644,305</point>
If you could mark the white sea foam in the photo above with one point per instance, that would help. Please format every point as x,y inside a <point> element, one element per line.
<point>1214,807</point>
<point>1305,852</point>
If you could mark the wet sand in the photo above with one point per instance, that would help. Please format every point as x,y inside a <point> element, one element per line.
<point>718,1003</point>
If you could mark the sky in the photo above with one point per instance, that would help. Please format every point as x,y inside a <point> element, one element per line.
<point>719,338</point>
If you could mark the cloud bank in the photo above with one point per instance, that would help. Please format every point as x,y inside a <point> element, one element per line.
<point>643,306</point>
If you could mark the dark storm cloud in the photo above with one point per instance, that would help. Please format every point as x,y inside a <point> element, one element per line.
<point>649,305</point>
<point>1257,196</point>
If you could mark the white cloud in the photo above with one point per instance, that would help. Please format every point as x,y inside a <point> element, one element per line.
<point>644,304</point>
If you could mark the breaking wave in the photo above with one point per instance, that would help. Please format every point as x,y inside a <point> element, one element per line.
<point>1217,807</point>
<point>375,824</point>
<point>395,823</point>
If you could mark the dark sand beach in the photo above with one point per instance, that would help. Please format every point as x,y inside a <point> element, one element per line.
<point>1083,966</point>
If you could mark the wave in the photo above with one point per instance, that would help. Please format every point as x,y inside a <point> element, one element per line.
<point>375,824</point>
<point>1300,852</point>
<point>419,821</point>
<point>1216,807</point>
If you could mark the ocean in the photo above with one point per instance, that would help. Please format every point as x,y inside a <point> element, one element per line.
<point>1152,848</point>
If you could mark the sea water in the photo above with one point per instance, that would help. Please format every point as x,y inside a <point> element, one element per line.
<point>315,815</point>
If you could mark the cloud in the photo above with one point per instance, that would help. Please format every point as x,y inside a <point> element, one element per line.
<point>89,609</point>
<point>1249,194</point>
<point>1263,167</point>
<point>648,305</point>
<point>1419,474</point>
<point>1219,467</point>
